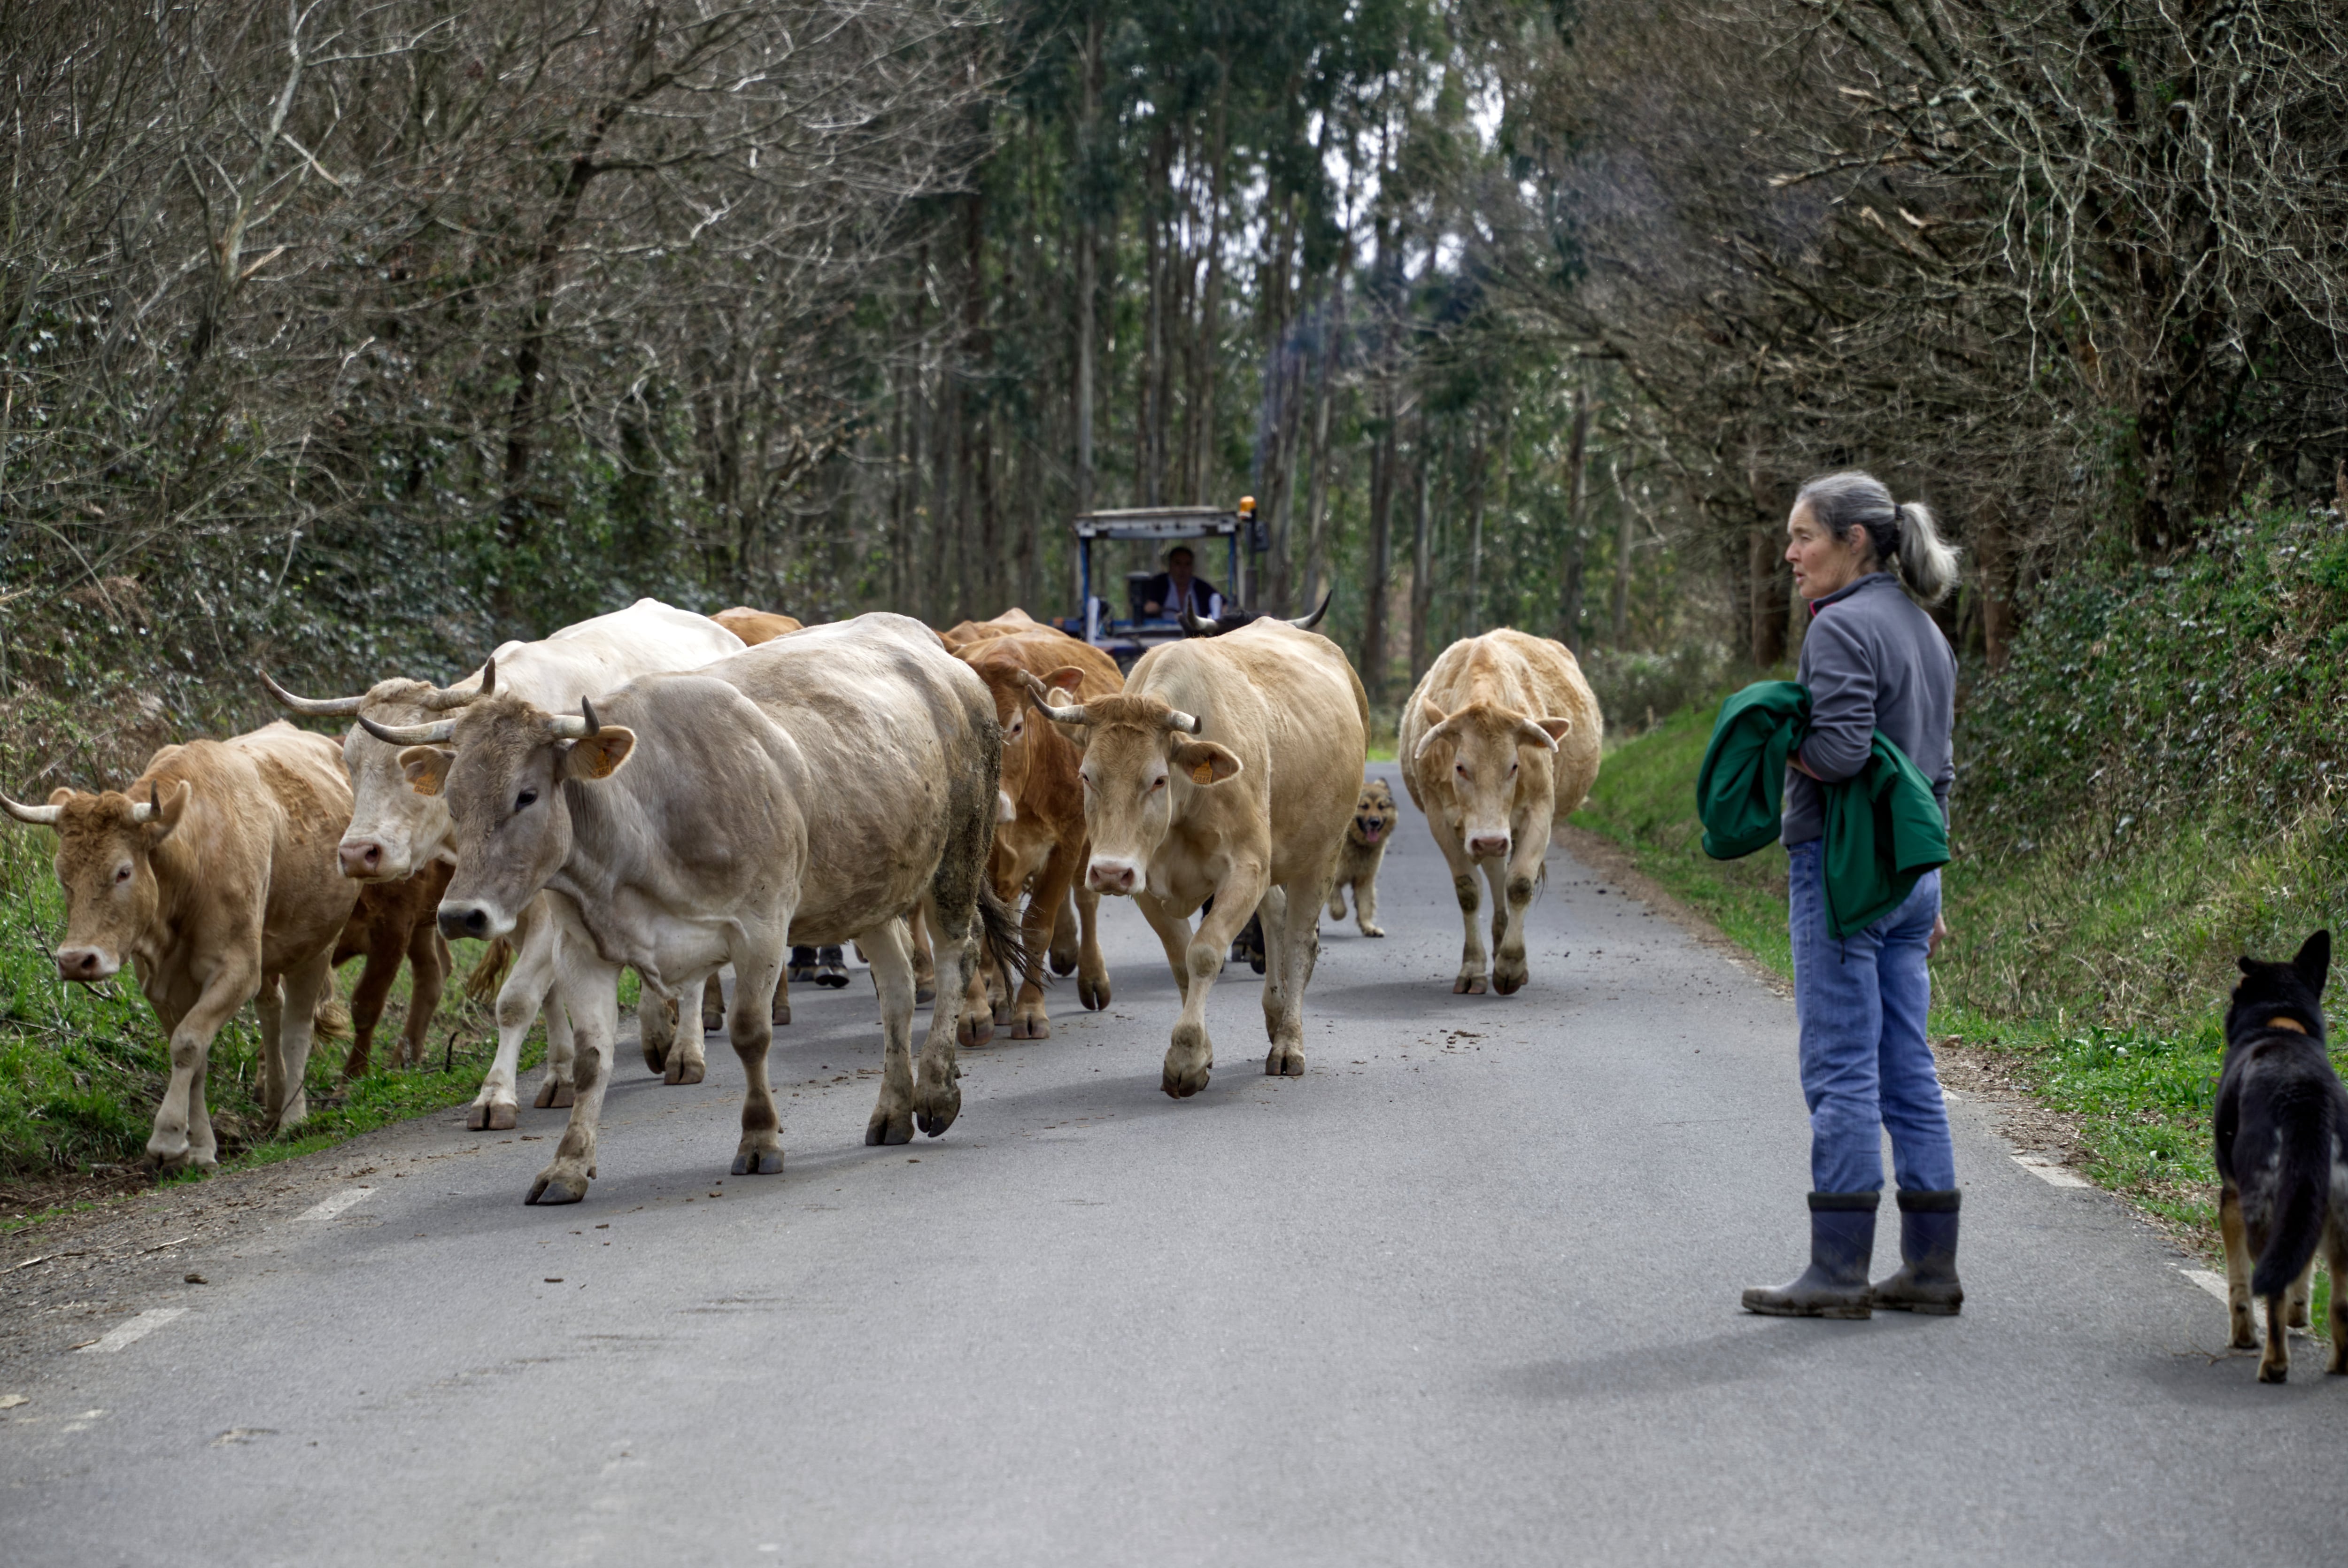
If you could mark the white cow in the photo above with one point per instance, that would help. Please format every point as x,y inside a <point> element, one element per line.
<point>393,830</point>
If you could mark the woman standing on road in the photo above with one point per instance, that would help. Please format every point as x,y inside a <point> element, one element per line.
<point>1872,660</point>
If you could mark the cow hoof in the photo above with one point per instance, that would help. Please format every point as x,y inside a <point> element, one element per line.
<point>888,1127</point>
<point>655,1057</point>
<point>1508,984</point>
<point>1002,1014</point>
<point>498,1115</point>
<point>975,1031</point>
<point>1466,986</point>
<point>1181,1086</point>
<point>2274,1374</point>
<point>557,1187</point>
<point>1374,931</point>
<point>830,972</point>
<point>1064,963</point>
<point>683,1071</point>
<point>1031,1028</point>
<point>934,1113</point>
<point>714,1023</point>
<point>1092,993</point>
<point>565,1096</point>
<point>925,994</point>
<point>1284,1061</point>
<point>758,1163</point>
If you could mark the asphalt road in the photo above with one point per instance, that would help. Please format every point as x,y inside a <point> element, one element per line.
<point>1466,1293</point>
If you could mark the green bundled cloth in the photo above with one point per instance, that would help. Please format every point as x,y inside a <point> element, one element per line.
<point>1883,825</point>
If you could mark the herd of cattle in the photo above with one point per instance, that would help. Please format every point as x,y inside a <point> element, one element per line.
<point>673,793</point>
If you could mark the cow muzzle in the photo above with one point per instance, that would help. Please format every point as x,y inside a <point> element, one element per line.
<point>366,860</point>
<point>87,966</point>
<point>478,921</point>
<point>1484,846</point>
<point>1104,874</point>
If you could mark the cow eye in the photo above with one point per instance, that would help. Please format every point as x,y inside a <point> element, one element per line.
<point>526,797</point>
<point>1512,770</point>
<point>122,873</point>
<point>1158,782</point>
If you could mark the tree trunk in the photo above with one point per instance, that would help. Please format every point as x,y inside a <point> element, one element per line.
<point>1422,572</point>
<point>1993,575</point>
<point>1381,561</point>
<point>1576,518</point>
<point>1316,537</point>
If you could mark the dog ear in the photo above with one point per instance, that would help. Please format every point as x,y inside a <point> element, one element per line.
<point>2315,961</point>
<point>2247,965</point>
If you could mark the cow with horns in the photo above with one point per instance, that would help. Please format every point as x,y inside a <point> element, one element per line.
<point>393,830</point>
<point>818,788</point>
<point>214,875</point>
<point>1226,771</point>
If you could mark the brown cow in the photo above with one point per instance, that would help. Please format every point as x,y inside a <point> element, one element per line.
<point>1009,623</point>
<point>1039,835</point>
<point>1500,743</point>
<point>756,626</point>
<point>394,921</point>
<point>215,874</point>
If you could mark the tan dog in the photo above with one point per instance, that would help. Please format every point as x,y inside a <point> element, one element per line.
<point>1357,862</point>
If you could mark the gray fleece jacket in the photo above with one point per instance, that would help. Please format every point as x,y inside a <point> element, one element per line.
<point>1872,660</point>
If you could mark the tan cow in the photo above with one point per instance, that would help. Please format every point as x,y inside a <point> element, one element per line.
<point>1039,835</point>
<point>1499,746</point>
<point>816,789</point>
<point>756,626</point>
<point>393,830</point>
<point>214,874</point>
<point>1008,623</point>
<point>1227,770</point>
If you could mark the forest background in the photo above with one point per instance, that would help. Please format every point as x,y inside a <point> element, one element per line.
<point>354,335</point>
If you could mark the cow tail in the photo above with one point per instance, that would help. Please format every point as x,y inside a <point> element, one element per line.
<point>330,1020</point>
<point>2302,1123</point>
<point>482,984</point>
<point>1000,923</point>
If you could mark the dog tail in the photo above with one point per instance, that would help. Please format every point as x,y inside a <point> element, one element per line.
<point>2303,1124</point>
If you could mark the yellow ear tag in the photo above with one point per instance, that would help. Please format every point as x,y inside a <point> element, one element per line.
<point>1204,773</point>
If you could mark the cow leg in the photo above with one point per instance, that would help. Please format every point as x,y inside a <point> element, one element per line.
<point>1190,1055</point>
<point>428,975</point>
<point>268,1002</point>
<point>1291,940</point>
<point>686,1058</point>
<point>383,955</point>
<point>587,989</point>
<point>751,1025</point>
<point>1173,934</point>
<point>1029,1020</point>
<point>889,952</point>
<point>1092,969</point>
<point>1512,891</point>
<point>1470,980</point>
<point>1067,945</point>
<point>990,977</point>
<point>183,1134</point>
<point>304,983</point>
<point>925,969</point>
<point>525,992</point>
<point>713,1005</point>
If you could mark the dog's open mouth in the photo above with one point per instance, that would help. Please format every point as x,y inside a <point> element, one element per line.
<point>1368,829</point>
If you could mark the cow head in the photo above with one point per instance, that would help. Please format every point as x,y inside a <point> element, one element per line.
<point>501,767</point>
<point>1486,743</point>
<point>1138,752</point>
<point>105,845</point>
<point>394,831</point>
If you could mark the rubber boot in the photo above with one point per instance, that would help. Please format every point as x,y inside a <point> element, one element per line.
<point>1927,1280</point>
<point>1842,1239</point>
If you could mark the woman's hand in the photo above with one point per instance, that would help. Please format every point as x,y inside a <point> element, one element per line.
<point>1940,934</point>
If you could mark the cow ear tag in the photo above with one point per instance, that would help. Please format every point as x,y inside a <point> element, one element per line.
<point>1204,773</point>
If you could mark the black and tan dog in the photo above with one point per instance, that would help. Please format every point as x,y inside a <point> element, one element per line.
<point>2283,1154</point>
<point>1357,862</point>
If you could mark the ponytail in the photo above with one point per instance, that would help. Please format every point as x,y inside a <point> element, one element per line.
<point>1905,536</point>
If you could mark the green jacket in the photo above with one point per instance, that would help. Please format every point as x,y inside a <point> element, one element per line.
<point>1883,826</point>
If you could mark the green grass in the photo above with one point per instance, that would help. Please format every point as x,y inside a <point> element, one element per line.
<point>82,1069</point>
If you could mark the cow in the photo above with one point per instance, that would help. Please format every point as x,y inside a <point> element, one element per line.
<point>1227,770</point>
<point>1008,623</point>
<point>214,874</point>
<point>395,920</point>
<point>393,830</point>
<point>1039,837</point>
<point>756,626</point>
<point>816,788</point>
<point>1499,746</point>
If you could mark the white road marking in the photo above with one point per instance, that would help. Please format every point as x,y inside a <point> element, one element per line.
<point>2215,1283</point>
<point>2048,1172</point>
<point>328,1208</point>
<point>138,1328</point>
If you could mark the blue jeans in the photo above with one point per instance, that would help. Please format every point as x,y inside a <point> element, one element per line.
<point>1862,1002</point>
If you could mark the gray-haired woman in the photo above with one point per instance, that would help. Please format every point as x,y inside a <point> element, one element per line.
<point>1872,661</point>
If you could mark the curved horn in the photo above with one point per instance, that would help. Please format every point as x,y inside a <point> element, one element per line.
<point>443,698</point>
<point>1197,627</point>
<point>1306,623</point>
<point>409,734</point>
<point>583,727</point>
<point>313,706</point>
<point>36,816</point>
<point>1436,733</point>
<point>1186,722</point>
<point>152,808</point>
<point>1036,692</point>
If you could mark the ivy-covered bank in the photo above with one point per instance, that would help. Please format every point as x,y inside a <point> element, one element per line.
<point>2148,789</point>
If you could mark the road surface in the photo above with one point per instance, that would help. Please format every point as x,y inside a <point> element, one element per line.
<point>1464,1294</point>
